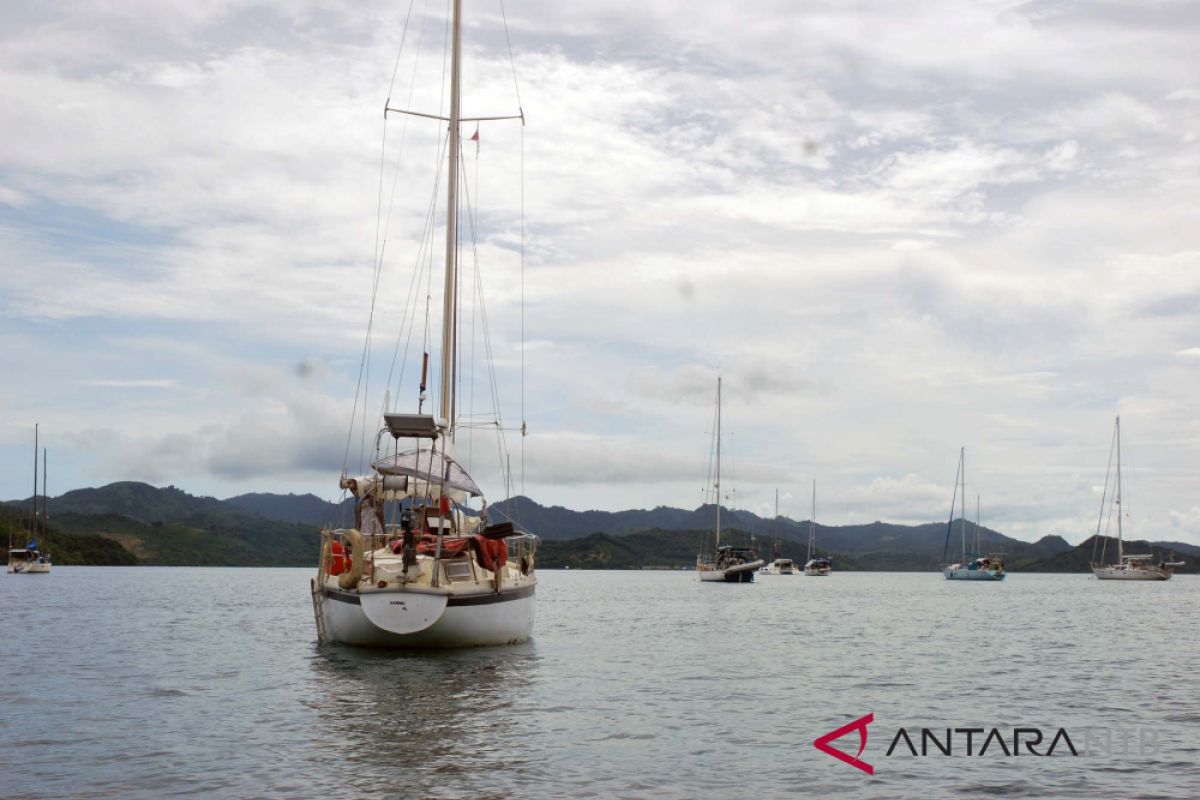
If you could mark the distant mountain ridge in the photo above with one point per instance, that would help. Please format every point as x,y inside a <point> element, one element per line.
<point>263,528</point>
<point>878,540</point>
<point>168,526</point>
<point>303,509</point>
<point>677,550</point>
<point>1079,558</point>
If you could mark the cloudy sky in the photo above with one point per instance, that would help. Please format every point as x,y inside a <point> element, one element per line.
<point>894,229</point>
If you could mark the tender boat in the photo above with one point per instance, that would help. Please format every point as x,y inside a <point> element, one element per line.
<point>780,566</point>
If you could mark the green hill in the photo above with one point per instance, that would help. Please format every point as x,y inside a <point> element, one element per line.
<point>1079,558</point>
<point>170,527</point>
<point>65,548</point>
<point>654,549</point>
<point>167,526</point>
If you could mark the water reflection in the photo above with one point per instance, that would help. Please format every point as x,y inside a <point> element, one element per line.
<point>436,723</point>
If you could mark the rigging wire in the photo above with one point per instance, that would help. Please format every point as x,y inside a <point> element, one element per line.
<point>521,108</point>
<point>498,424</point>
<point>524,427</point>
<point>377,258</point>
<point>1112,447</point>
<point>422,270</point>
<point>512,61</point>
<point>424,262</point>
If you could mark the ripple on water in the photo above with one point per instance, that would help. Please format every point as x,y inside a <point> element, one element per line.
<point>636,684</point>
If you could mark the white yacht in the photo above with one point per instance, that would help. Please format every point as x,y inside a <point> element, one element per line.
<point>725,563</point>
<point>1128,567</point>
<point>31,559</point>
<point>815,566</point>
<point>972,566</point>
<point>779,565</point>
<point>423,566</point>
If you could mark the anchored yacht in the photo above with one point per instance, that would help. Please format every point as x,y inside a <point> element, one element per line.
<point>1128,567</point>
<point>725,563</point>
<point>427,564</point>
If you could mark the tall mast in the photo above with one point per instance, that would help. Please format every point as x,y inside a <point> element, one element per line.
<point>45,505</point>
<point>717,485</point>
<point>775,529</point>
<point>962,457</point>
<point>1120,499</point>
<point>450,294</point>
<point>33,521</point>
<point>812,522</point>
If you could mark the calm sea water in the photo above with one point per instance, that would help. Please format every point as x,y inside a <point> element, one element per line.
<point>163,682</point>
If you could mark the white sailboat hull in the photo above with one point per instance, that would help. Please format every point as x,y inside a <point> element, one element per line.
<point>742,573</point>
<point>959,573</point>
<point>817,573</point>
<point>471,620</point>
<point>28,569</point>
<point>1118,573</point>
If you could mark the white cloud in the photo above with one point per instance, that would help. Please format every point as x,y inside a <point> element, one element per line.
<point>893,231</point>
<point>131,383</point>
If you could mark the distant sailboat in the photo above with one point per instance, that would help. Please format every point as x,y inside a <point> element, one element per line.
<point>30,560</point>
<point>725,563</point>
<point>779,565</point>
<point>815,566</point>
<point>973,566</point>
<point>1128,567</point>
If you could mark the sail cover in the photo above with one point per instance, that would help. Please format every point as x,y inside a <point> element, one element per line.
<point>437,469</point>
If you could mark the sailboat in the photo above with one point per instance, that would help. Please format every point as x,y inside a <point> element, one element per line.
<point>30,560</point>
<point>1128,567</point>
<point>440,574</point>
<point>815,566</point>
<point>779,565</point>
<point>973,566</point>
<point>726,563</point>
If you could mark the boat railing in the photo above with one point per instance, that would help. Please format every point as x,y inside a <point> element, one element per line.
<point>522,547</point>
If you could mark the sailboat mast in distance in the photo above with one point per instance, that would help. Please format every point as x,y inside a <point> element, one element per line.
<point>1120,500</point>
<point>717,485</point>
<point>812,522</point>
<point>963,527</point>
<point>775,529</point>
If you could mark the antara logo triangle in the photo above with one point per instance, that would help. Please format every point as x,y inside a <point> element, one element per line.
<point>860,725</point>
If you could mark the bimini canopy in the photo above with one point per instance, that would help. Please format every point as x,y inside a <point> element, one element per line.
<point>429,467</point>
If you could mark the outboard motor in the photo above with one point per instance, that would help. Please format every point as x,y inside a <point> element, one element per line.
<point>410,545</point>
